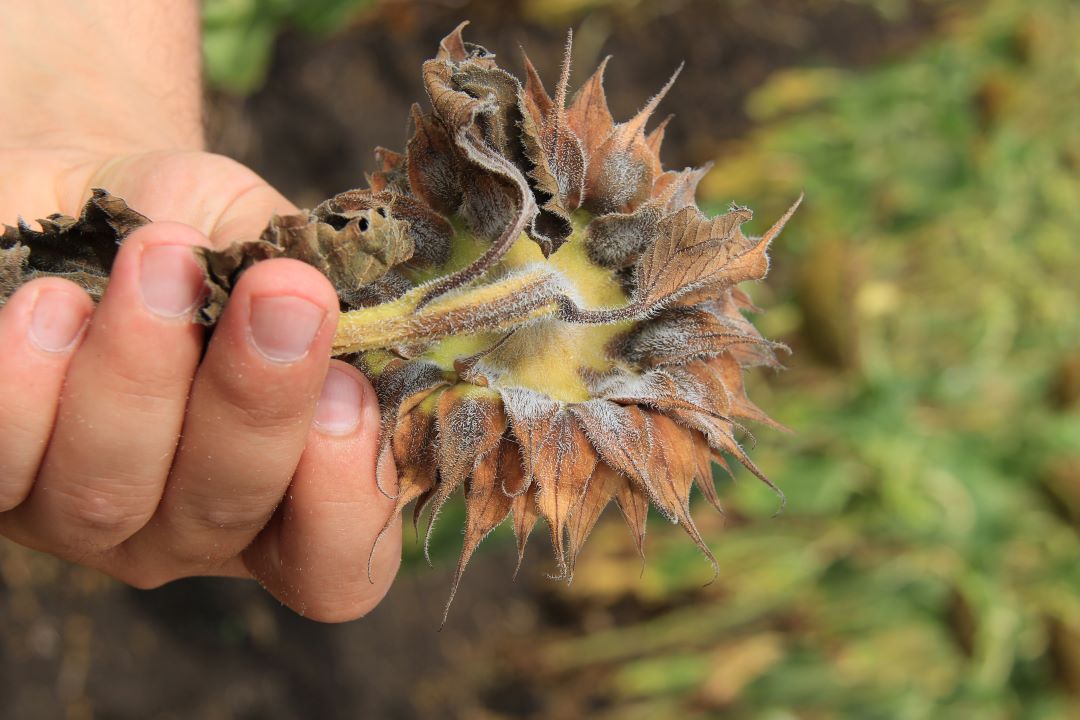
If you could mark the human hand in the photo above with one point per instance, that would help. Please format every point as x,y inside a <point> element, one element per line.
<point>122,451</point>
<point>125,448</point>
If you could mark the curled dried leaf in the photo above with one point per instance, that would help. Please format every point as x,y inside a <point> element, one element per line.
<point>432,165</point>
<point>79,249</point>
<point>556,154</point>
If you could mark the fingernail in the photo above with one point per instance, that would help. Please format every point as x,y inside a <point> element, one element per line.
<point>56,321</point>
<point>338,411</point>
<point>282,328</point>
<point>172,282</point>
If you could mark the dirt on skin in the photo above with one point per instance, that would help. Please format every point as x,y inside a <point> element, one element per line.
<point>76,644</point>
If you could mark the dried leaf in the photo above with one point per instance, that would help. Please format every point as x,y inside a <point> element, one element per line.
<point>489,205</point>
<point>730,373</point>
<point>633,503</point>
<point>672,475</point>
<point>486,507</point>
<point>452,47</point>
<point>79,249</point>
<point>653,140</point>
<point>392,175</point>
<point>699,259</point>
<point>703,459</point>
<point>412,439</point>
<point>470,423</point>
<point>701,385</point>
<point>428,232</point>
<point>676,189</point>
<point>588,114</point>
<point>432,164</point>
<point>400,386</point>
<point>556,155</point>
<point>353,239</point>
<point>679,335</point>
<point>561,490</point>
<point>720,434</point>
<point>13,265</point>
<point>599,491</point>
<point>654,388</point>
<point>525,515</point>
<point>693,251</point>
<point>498,123</point>
<point>619,176</point>
<point>473,99</point>
<point>729,311</point>
<point>558,459</point>
<point>620,435</point>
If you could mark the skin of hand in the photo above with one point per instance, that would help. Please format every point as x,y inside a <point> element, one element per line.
<point>128,442</point>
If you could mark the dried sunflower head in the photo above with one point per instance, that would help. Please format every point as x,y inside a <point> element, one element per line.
<point>583,340</point>
<point>548,319</point>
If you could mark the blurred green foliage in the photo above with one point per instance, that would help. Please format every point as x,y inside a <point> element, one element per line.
<point>928,562</point>
<point>239,35</point>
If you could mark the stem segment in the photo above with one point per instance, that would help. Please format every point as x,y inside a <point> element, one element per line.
<point>500,306</point>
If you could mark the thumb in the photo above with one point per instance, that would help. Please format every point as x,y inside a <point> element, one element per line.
<point>223,199</point>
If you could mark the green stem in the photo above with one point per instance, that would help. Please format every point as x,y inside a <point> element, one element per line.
<point>499,306</point>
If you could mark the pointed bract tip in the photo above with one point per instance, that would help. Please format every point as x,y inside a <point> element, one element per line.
<point>378,538</point>
<point>385,452</point>
<point>602,68</point>
<point>783,500</point>
<point>564,72</point>
<point>638,121</point>
<point>656,136</point>
<point>777,226</point>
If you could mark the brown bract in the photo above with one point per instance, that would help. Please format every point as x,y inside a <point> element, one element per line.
<point>549,321</point>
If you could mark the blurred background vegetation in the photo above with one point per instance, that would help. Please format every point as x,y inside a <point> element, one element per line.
<point>926,565</point>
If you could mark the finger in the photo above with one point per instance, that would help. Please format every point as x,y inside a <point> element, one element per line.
<point>40,327</point>
<point>314,556</point>
<point>234,202</point>
<point>123,401</point>
<point>248,418</point>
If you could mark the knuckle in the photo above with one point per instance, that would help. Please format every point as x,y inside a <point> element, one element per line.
<point>269,407</point>
<point>102,517</point>
<point>246,517</point>
<point>148,387</point>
